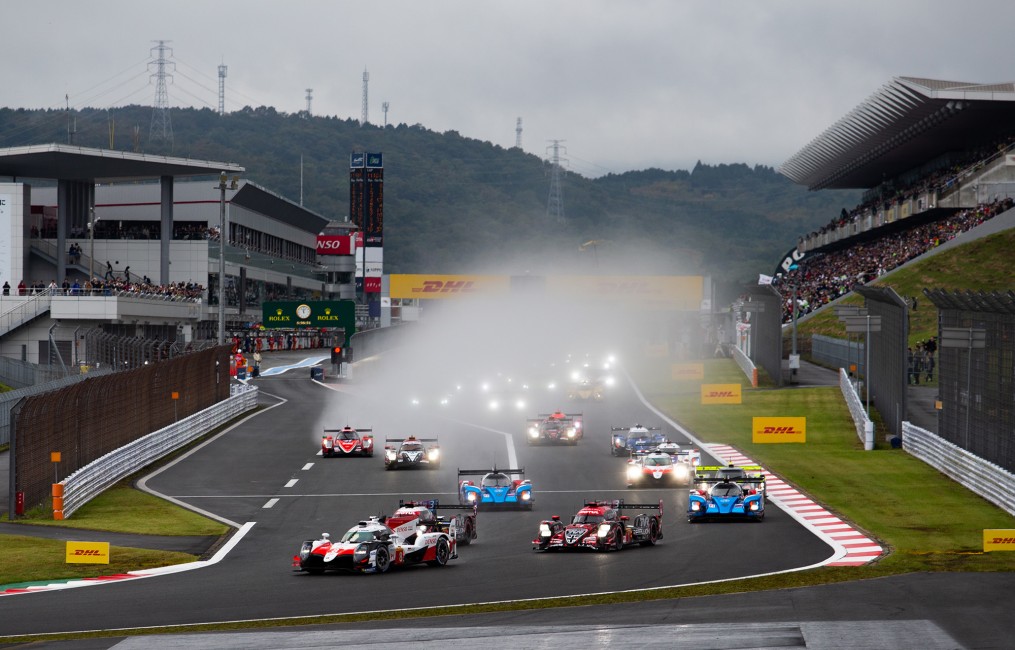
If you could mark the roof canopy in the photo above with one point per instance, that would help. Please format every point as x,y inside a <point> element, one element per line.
<point>905,124</point>
<point>65,162</point>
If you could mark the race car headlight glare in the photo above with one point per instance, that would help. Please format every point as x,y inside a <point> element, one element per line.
<point>471,497</point>
<point>433,454</point>
<point>391,454</point>
<point>754,505</point>
<point>633,471</point>
<point>604,530</point>
<point>570,433</point>
<point>534,432</point>
<point>695,506</point>
<point>525,496</point>
<point>544,530</point>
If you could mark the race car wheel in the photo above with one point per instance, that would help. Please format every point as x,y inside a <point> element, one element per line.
<point>389,466</point>
<point>381,559</point>
<point>467,535</point>
<point>442,552</point>
<point>618,540</point>
<point>653,534</point>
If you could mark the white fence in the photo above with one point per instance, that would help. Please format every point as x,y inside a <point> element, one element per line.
<point>863,424</point>
<point>746,365</point>
<point>990,481</point>
<point>89,481</point>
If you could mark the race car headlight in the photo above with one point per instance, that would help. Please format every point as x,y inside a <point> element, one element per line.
<point>305,550</point>
<point>533,432</point>
<point>434,454</point>
<point>391,454</point>
<point>633,471</point>
<point>520,405</point>
<point>604,530</point>
<point>544,530</point>
<point>470,497</point>
<point>361,553</point>
<point>681,472</point>
<point>754,505</point>
<point>570,433</point>
<point>695,506</point>
<point>608,381</point>
<point>493,405</point>
<point>525,496</point>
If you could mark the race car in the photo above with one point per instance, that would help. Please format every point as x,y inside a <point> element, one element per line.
<point>555,428</point>
<point>626,441</point>
<point>411,452</point>
<point>371,546</point>
<point>602,526</point>
<point>656,468</point>
<point>687,454</point>
<point>497,488</point>
<point>586,389</point>
<point>426,512</point>
<point>749,476</point>
<point>720,498</point>
<point>347,441</point>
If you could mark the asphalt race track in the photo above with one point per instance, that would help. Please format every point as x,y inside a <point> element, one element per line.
<point>266,470</point>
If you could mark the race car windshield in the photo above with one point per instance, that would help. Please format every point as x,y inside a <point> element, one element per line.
<point>348,435</point>
<point>726,490</point>
<point>658,461</point>
<point>496,480</point>
<point>638,437</point>
<point>412,446</point>
<point>587,519</point>
<point>357,535</point>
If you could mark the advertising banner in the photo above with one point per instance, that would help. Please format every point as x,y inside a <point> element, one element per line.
<point>447,286</point>
<point>783,429</point>
<point>334,244</point>
<point>294,314</point>
<point>720,394</point>
<point>998,539</point>
<point>687,371</point>
<point>373,285</point>
<point>87,553</point>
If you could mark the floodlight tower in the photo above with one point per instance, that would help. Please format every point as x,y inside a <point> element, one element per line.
<point>222,88</point>
<point>518,133</point>
<point>310,98</point>
<point>555,202</point>
<point>161,127</point>
<point>364,116</point>
<point>384,107</point>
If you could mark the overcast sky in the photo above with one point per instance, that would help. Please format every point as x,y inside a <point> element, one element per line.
<point>624,84</point>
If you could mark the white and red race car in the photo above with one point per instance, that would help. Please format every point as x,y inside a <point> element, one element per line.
<point>602,526</point>
<point>412,452</point>
<point>372,546</point>
<point>657,468</point>
<point>347,441</point>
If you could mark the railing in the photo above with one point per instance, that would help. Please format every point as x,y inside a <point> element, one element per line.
<point>92,479</point>
<point>863,424</point>
<point>746,365</point>
<point>25,310</point>
<point>990,481</point>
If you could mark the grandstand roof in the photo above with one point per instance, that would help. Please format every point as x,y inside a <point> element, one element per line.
<point>905,124</point>
<point>66,162</point>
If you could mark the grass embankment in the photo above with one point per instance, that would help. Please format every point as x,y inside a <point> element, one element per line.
<point>121,509</point>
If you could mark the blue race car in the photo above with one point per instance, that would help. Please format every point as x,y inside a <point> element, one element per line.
<point>634,440</point>
<point>719,498</point>
<point>497,488</point>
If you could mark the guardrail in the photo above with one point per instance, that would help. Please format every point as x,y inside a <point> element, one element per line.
<point>89,481</point>
<point>863,424</point>
<point>25,309</point>
<point>746,365</point>
<point>990,481</point>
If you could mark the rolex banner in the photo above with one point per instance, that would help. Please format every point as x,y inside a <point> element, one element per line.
<point>309,314</point>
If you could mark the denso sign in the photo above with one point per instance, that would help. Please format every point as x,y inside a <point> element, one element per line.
<point>334,244</point>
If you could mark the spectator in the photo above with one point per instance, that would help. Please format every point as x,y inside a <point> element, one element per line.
<point>7,288</point>
<point>21,288</point>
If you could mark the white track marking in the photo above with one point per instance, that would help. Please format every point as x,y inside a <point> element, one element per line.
<point>307,466</point>
<point>292,482</point>
<point>270,503</point>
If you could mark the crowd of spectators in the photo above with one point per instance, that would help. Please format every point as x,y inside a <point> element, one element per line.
<point>821,278</point>
<point>110,287</point>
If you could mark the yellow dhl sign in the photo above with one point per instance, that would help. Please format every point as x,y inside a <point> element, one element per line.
<point>687,371</point>
<point>88,552</point>
<point>768,429</point>
<point>998,539</point>
<point>720,394</point>
<point>428,287</point>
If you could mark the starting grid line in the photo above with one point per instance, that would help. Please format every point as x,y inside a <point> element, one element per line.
<point>856,549</point>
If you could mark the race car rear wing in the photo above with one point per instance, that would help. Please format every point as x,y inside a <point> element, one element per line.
<point>714,468</point>
<point>758,480</point>
<point>434,505</point>
<point>637,426</point>
<point>341,430</point>
<point>618,504</point>
<point>404,439</point>
<point>484,472</point>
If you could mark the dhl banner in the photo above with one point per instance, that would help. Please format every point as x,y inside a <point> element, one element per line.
<point>447,286</point>
<point>687,371</point>
<point>88,552</point>
<point>780,430</point>
<point>720,394</point>
<point>998,539</point>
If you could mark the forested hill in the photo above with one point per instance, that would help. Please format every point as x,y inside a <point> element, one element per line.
<point>459,205</point>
